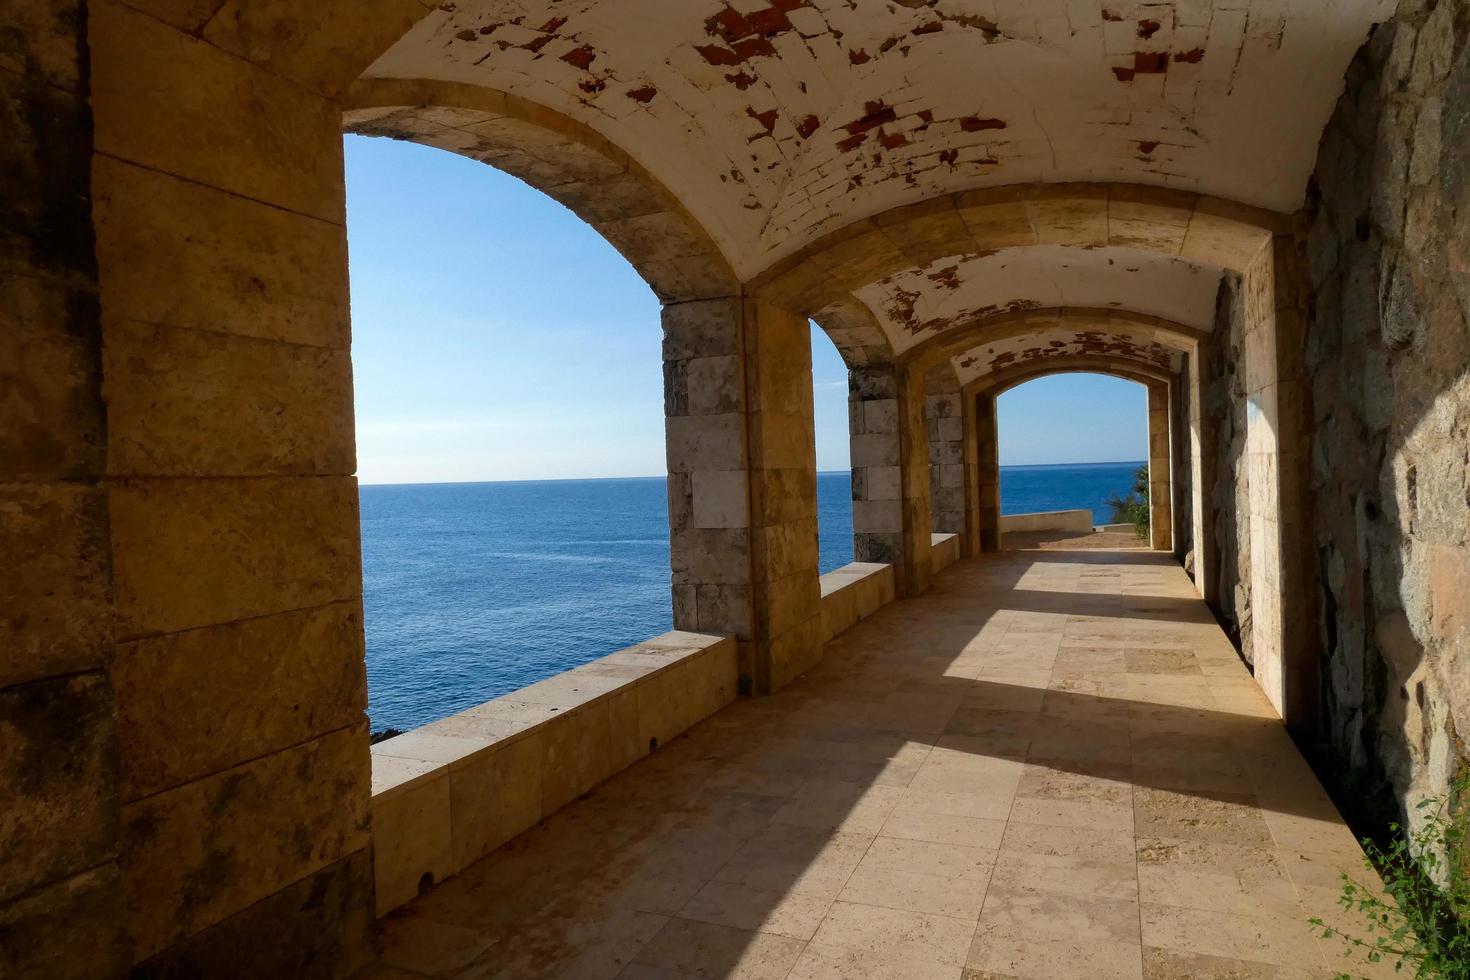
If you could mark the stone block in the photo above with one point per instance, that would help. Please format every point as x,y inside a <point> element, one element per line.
<point>51,422</point>
<point>795,652</point>
<point>190,553</point>
<point>785,549</point>
<point>719,499</point>
<point>791,601</point>
<point>874,450</point>
<point>46,154</point>
<point>197,854</point>
<point>1070,214</point>
<point>714,385</point>
<point>411,841</point>
<point>495,797</point>
<point>704,442</point>
<point>252,270</point>
<point>779,441</point>
<point>320,926</point>
<point>192,403</point>
<point>55,601</point>
<point>324,45</point>
<point>702,328</point>
<point>561,780</point>
<point>176,104</point>
<point>784,495</point>
<point>270,682</point>
<point>710,556</point>
<point>38,932</point>
<point>40,41</point>
<point>58,762</point>
<point>624,741</point>
<point>724,609</point>
<point>997,218</point>
<point>883,483</point>
<point>881,516</point>
<point>1153,219</point>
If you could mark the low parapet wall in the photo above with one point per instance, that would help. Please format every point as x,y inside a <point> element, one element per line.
<point>449,793</point>
<point>853,593</point>
<point>944,550</point>
<point>1050,520</point>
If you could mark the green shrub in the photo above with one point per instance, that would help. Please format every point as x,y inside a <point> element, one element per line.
<point>1422,922</point>
<point>1133,509</point>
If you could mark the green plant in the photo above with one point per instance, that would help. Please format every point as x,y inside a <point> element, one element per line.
<point>1421,922</point>
<point>1133,509</point>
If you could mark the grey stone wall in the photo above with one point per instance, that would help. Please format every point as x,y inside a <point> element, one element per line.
<point>1223,379</point>
<point>1389,355</point>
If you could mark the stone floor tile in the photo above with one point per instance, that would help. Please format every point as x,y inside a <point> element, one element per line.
<point>914,891</point>
<point>1003,952</point>
<point>798,859</point>
<point>1164,964</point>
<point>1062,916</point>
<point>916,935</point>
<point>991,802</point>
<point>1073,813</point>
<point>1271,938</point>
<point>943,828</point>
<point>946,860</point>
<point>1107,846</point>
<point>426,946</point>
<point>794,913</point>
<point>702,949</point>
<point>1020,871</point>
<point>823,962</point>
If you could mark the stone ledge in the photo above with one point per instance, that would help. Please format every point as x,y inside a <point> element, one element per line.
<point>853,593</point>
<point>449,793</point>
<point>1047,520</point>
<point>944,550</point>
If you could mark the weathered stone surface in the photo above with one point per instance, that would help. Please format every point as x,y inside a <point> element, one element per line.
<point>251,269</point>
<point>51,422</point>
<point>195,855</point>
<point>39,931</point>
<point>1389,343</point>
<point>320,926</point>
<point>190,553</point>
<point>181,106</point>
<point>272,682</point>
<point>59,764</point>
<point>194,403</point>
<point>55,608</point>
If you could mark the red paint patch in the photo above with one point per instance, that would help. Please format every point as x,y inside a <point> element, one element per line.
<point>858,56</point>
<point>1150,62</point>
<point>1123,74</point>
<point>1147,146</point>
<point>1148,28</point>
<point>892,141</point>
<point>749,47</point>
<point>741,80</point>
<point>580,57</point>
<point>644,95</point>
<point>927,115</point>
<point>973,124</point>
<point>933,27</point>
<point>592,85</point>
<point>535,46</point>
<point>875,114</point>
<point>716,55</point>
<point>552,26</point>
<point>949,156</point>
<point>1191,57</point>
<point>852,142</point>
<point>466,35</point>
<point>948,277</point>
<point>807,126</point>
<point>767,119</point>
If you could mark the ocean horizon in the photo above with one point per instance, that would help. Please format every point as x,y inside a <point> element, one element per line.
<point>474,589</point>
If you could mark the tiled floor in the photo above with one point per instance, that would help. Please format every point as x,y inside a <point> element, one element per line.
<point>1052,766</point>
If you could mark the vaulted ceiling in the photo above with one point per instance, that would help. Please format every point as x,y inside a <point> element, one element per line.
<point>777,120</point>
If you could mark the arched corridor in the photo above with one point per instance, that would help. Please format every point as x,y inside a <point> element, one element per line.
<point>1255,209</point>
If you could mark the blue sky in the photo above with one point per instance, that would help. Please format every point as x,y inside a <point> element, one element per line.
<point>498,337</point>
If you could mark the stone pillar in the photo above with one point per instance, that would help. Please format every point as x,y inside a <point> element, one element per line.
<point>238,669</point>
<point>742,483</point>
<point>1160,479</point>
<point>62,911</point>
<point>987,471</point>
<point>1283,613</point>
<point>945,420</point>
<point>890,472</point>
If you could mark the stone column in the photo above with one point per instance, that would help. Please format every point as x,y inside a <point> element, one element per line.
<point>742,483</point>
<point>945,420</point>
<point>1160,480</point>
<point>890,472</point>
<point>987,471</point>
<point>1283,614</point>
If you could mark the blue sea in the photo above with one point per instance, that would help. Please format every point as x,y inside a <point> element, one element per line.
<point>472,590</point>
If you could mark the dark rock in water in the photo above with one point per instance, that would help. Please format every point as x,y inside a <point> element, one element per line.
<point>386,733</point>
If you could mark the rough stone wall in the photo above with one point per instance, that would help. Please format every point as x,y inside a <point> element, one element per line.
<point>59,877</point>
<point>1229,495</point>
<point>1388,248</point>
<point>944,417</point>
<point>1183,471</point>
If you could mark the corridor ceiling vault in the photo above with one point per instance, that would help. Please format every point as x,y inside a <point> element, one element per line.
<point>776,121</point>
